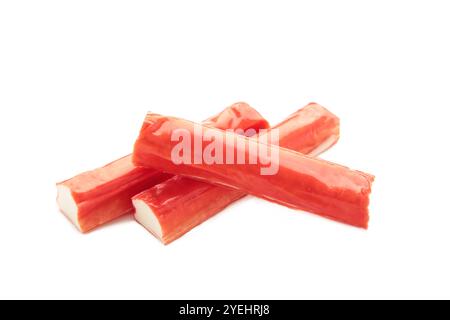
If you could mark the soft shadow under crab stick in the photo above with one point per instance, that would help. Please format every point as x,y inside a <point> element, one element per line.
<point>96,197</point>
<point>174,207</point>
<point>301,182</point>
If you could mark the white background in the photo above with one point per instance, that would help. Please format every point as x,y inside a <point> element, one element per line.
<point>77,77</point>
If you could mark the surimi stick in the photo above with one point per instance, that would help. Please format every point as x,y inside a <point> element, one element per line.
<point>301,182</point>
<point>96,197</point>
<point>174,207</point>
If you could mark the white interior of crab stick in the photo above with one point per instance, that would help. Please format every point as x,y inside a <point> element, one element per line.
<point>145,216</point>
<point>67,204</point>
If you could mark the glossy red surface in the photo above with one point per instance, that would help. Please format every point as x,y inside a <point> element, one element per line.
<point>302,182</point>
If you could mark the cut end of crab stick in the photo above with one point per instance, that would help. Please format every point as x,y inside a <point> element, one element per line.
<point>147,218</point>
<point>176,206</point>
<point>96,197</point>
<point>67,205</point>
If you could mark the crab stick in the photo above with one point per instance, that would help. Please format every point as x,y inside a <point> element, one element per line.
<point>290,178</point>
<point>174,207</point>
<point>96,197</point>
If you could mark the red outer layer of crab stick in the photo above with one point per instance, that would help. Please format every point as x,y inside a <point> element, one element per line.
<point>174,207</point>
<point>300,181</point>
<point>96,197</point>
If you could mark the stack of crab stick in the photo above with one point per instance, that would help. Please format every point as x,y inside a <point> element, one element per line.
<point>169,199</point>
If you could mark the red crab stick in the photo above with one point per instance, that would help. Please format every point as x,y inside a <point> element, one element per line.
<point>301,182</point>
<point>96,197</point>
<point>174,207</point>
